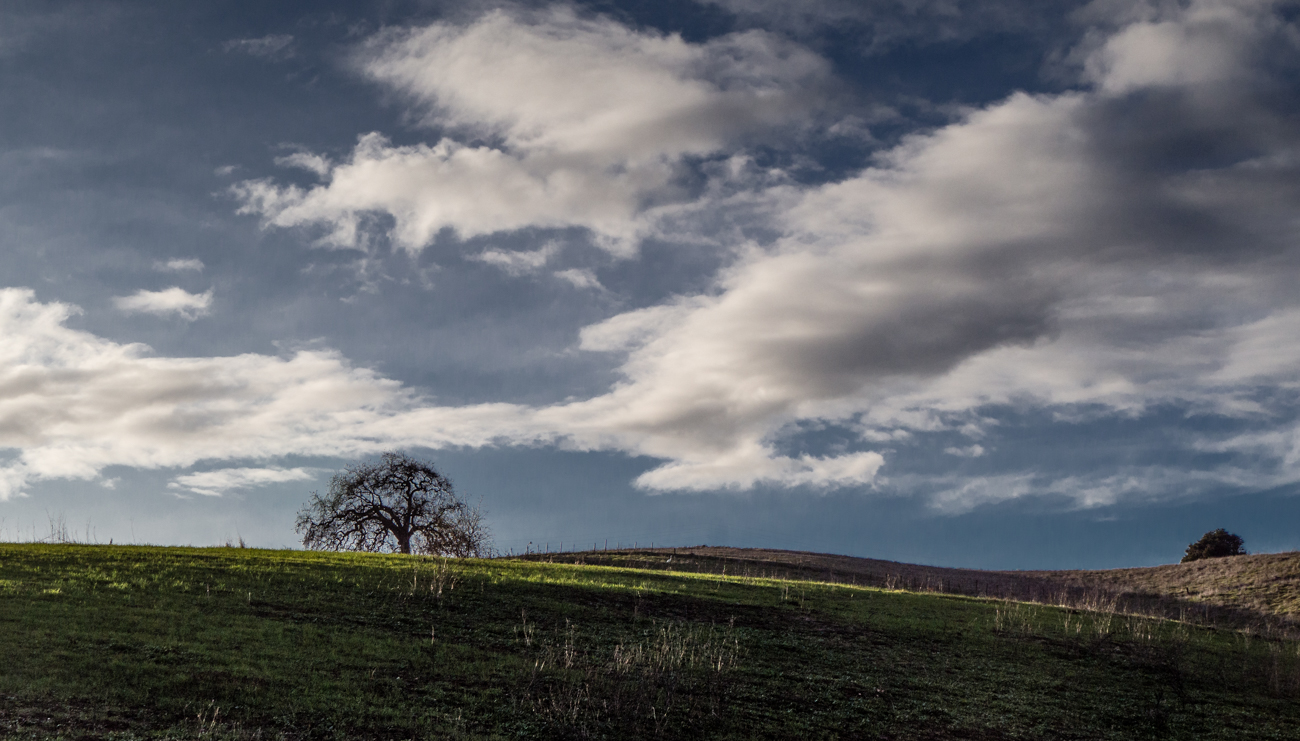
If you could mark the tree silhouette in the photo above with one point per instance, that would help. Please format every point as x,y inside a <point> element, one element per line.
<point>395,505</point>
<point>1215,544</point>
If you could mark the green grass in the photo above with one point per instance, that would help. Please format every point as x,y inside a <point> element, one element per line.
<point>1260,593</point>
<point>131,642</point>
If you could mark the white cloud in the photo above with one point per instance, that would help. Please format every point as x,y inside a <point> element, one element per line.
<point>1040,252</point>
<point>556,82</point>
<point>1205,42</point>
<point>1031,253</point>
<point>218,482</point>
<point>580,278</point>
<point>72,404</point>
<point>633,328</point>
<point>174,300</point>
<point>516,263</point>
<point>757,465</point>
<point>594,122</point>
<point>275,47</point>
<point>178,265</point>
<point>968,493</point>
<point>308,161</point>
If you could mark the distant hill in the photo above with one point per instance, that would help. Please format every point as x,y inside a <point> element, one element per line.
<point>1258,591</point>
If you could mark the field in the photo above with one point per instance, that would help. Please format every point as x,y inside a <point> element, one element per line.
<point>227,643</point>
<point>1259,593</point>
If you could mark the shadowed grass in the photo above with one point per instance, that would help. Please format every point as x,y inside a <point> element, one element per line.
<point>127,642</point>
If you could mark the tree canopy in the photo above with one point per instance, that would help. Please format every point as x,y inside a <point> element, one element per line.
<point>394,505</point>
<point>1215,544</point>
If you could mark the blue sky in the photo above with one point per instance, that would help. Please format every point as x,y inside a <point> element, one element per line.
<point>993,284</point>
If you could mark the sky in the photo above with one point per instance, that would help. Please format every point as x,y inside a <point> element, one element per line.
<point>1002,284</point>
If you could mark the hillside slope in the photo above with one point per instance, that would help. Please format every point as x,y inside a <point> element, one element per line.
<point>1260,592</point>
<point>165,643</point>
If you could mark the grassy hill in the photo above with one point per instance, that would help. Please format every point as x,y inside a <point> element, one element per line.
<point>134,642</point>
<point>1260,593</point>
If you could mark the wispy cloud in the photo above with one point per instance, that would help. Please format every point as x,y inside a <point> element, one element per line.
<point>275,47</point>
<point>580,278</point>
<point>306,161</point>
<point>179,265</point>
<point>218,482</point>
<point>174,300</point>
<point>518,263</point>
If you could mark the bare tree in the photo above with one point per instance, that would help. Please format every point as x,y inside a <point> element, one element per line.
<point>396,504</point>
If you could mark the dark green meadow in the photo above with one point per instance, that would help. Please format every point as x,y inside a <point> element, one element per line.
<point>134,642</point>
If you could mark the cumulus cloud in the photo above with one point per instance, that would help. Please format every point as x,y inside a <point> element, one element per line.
<point>174,300</point>
<point>1041,251</point>
<point>1126,244</point>
<point>72,403</point>
<point>1207,43</point>
<point>218,482</point>
<point>591,125</point>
